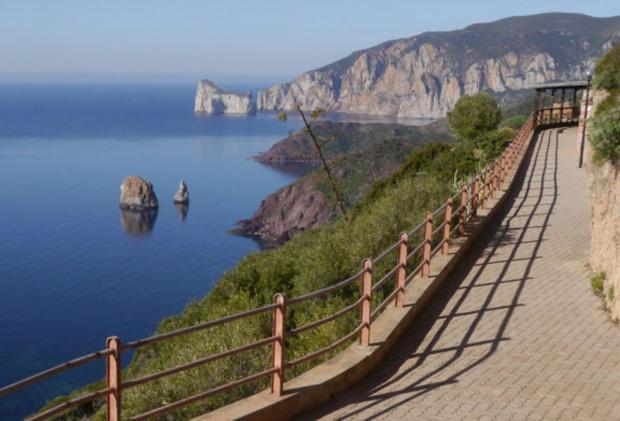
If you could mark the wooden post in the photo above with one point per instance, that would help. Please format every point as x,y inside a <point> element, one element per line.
<point>401,274</point>
<point>495,181</point>
<point>537,106</point>
<point>463,214</point>
<point>562,105</point>
<point>365,305</point>
<point>485,189</point>
<point>278,330</point>
<point>475,197</point>
<point>426,250</point>
<point>113,378</point>
<point>447,227</point>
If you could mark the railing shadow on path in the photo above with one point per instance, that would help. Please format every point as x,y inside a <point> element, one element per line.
<point>509,229</point>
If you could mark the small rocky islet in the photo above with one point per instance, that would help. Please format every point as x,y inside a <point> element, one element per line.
<point>139,205</point>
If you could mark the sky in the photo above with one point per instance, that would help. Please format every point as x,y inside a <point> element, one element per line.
<point>234,40</point>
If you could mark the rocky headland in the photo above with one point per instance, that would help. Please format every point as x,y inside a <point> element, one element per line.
<point>423,76</point>
<point>211,99</point>
<point>360,154</point>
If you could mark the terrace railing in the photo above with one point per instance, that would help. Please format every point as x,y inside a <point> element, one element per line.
<point>433,235</point>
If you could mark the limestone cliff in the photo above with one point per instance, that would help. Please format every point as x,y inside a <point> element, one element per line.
<point>423,76</point>
<point>604,190</point>
<point>212,100</point>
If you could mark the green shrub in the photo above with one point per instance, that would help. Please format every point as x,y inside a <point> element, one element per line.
<point>607,71</point>
<point>473,116</point>
<point>605,136</point>
<point>514,122</point>
<point>610,293</point>
<point>598,282</point>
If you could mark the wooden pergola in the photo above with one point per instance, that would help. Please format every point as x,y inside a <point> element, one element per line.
<point>563,104</point>
<point>559,103</point>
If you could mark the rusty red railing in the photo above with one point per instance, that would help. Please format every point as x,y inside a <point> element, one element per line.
<point>436,233</point>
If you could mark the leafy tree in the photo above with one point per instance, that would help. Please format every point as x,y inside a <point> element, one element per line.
<point>474,116</point>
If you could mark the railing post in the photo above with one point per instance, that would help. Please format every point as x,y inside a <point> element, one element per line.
<point>113,378</point>
<point>426,250</point>
<point>463,213</point>
<point>365,306</point>
<point>494,180</point>
<point>475,197</point>
<point>278,330</point>
<point>401,274</point>
<point>485,189</point>
<point>447,227</point>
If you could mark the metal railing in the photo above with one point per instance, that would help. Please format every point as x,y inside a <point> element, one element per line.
<point>436,232</point>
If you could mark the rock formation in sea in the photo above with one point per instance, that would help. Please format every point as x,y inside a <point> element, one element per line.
<point>137,194</point>
<point>210,99</point>
<point>182,195</point>
<point>423,76</point>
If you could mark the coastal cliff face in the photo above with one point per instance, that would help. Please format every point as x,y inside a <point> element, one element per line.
<point>362,154</point>
<point>212,100</point>
<point>604,192</point>
<point>423,76</point>
<point>287,212</point>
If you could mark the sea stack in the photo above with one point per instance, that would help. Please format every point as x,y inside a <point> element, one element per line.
<point>137,194</point>
<point>210,99</point>
<point>182,195</point>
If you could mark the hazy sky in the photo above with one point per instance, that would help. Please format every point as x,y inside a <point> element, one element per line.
<point>225,40</point>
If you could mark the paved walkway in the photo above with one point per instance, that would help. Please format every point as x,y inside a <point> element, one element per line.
<point>516,333</point>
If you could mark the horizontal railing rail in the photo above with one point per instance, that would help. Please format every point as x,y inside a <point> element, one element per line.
<point>433,235</point>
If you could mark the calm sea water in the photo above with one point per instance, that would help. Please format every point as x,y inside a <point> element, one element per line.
<point>74,269</point>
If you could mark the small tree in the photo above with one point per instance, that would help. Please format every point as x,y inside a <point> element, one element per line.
<point>318,145</point>
<point>473,116</point>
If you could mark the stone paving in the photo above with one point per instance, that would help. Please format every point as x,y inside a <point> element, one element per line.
<point>516,333</point>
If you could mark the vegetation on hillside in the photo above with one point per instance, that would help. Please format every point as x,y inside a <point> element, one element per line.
<point>605,134</point>
<point>312,260</point>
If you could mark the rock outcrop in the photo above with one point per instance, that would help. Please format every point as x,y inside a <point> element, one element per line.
<point>362,154</point>
<point>604,191</point>
<point>212,100</point>
<point>287,212</point>
<point>423,76</point>
<point>182,195</point>
<point>137,194</point>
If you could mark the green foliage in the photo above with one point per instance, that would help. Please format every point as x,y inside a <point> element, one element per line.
<point>597,282</point>
<point>607,71</point>
<point>473,116</point>
<point>610,293</point>
<point>514,122</point>
<point>605,136</point>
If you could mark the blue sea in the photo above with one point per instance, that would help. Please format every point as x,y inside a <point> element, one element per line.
<point>75,269</point>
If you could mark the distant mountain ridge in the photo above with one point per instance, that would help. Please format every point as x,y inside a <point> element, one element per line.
<point>423,76</point>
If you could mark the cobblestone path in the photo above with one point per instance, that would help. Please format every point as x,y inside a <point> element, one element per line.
<point>516,333</point>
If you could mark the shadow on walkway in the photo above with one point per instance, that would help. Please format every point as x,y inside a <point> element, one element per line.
<point>532,201</point>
